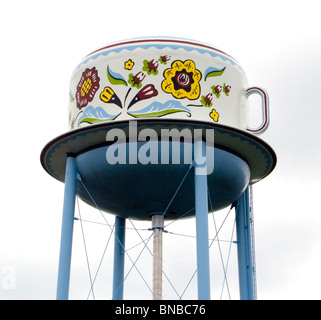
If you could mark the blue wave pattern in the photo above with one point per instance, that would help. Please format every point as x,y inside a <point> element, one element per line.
<point>98,114</point>
<point>161,46</point>
<point>158,109</point>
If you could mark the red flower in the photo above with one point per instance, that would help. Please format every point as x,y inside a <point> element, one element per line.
<point>164,59</point>
<point>147,92</point>
<point>87,87</point>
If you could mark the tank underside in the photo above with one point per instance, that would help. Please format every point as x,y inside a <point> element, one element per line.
<point>135,190</point>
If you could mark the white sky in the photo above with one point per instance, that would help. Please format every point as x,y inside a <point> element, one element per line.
<point>278,44</point>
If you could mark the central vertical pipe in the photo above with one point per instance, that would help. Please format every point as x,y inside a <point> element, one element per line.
<point>201,212</point>
<point>157,227</point>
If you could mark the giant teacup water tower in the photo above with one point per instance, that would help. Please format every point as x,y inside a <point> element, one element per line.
<point>148,115</point>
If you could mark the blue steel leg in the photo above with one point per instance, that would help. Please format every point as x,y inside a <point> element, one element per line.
<point>67,229</point>
<point>201,208</point>
<point>119,258</point>
<point>244,250</point>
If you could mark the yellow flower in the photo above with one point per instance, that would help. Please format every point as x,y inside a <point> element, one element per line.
<point>214,115</point>
<point>182,80</point>
<point>129,64</point>
<point>107,94</point>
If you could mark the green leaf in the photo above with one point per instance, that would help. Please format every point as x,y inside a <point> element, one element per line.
<point>213,72</point>
<point>115,78</point>
<point>93,120</point>
<point>154,114</point>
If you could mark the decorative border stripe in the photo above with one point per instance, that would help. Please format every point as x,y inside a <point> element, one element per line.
<point>163,43</point>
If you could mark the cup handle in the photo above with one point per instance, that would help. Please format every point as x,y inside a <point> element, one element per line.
<point>265,109</point>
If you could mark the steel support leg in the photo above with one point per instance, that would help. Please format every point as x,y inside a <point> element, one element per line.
<point>244,249</point>
<point>67,229</point>
<point>201,208</point>
<point>119,258</point>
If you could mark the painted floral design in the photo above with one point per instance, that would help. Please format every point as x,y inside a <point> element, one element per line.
<point>214,115</point>
<point>128,65</point>
<point>109,96</point>
<point>87,87</point>
<point>207,100</point>
<point>226,89</point>
<point>136,80</point>
<point>145,79</point>
<point>182,80</point>
<point>147,92</point>
<point>164,59</point>
<point>151,67</point>
<point>217,90</point>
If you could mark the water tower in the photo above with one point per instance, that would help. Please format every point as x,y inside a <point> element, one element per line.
<point>149,115</point>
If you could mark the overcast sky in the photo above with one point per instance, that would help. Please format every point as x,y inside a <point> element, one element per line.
<point>278,44</point>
